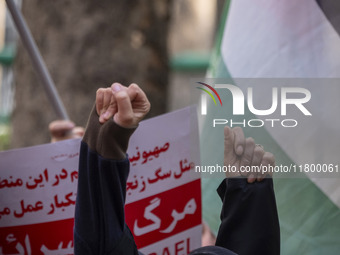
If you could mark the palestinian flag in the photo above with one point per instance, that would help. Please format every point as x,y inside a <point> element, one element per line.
<point>285,40</point>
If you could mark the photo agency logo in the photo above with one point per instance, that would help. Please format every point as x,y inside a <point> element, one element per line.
<point>294,98</point>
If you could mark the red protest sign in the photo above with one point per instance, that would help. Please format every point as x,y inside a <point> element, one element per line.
<point>38,187</point>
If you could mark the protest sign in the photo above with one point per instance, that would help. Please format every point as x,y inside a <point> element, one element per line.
<point>163,186</point>
<point>38,187</point>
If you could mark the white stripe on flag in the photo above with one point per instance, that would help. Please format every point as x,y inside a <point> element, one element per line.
<point>270,38</point>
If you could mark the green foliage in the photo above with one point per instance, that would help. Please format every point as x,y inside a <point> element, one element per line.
<point>4,136</point>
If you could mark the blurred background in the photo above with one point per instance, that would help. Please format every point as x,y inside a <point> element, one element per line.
<point>162,45</point>
<point>159,45</point>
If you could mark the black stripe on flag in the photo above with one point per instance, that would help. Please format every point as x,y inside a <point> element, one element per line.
<point>331,9</point>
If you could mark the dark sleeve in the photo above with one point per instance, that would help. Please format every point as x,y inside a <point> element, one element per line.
<point>103,171</point>
<point>250,223</point>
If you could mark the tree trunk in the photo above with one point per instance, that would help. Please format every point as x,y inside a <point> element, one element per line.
<point>88,44</point>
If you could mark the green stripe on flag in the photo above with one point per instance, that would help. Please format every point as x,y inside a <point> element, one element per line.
<point>216,56</point>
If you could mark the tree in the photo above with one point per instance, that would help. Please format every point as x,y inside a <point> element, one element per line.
<point>87,44</point>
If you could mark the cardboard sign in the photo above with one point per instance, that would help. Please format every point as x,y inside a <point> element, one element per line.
<point>38,188</point>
